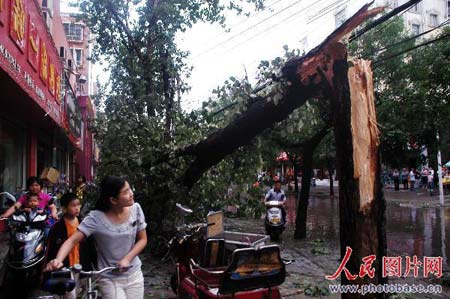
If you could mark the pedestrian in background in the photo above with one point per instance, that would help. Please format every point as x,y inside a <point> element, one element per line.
<point>424,177</point>
<point>404,179</point>
<point>430,186</point>
<point>412,179</point>
<point>396,177</point>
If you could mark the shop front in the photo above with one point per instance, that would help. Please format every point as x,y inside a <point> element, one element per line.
<point>31,99</point>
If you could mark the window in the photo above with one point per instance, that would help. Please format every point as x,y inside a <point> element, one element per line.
<point>62,52</point>
<point>415,8</point>
<point>77,55</point>
<point>448,9</point>
<point>47,4</point>
<point>74,32</point>
<point>340,17</point>
<point>47,19</point>
<point>415,29</point>
<point>433,20</point>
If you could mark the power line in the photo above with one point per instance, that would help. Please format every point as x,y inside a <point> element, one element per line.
<point>406,40</point>
<point>267,29</point>
<point>326,10</point>
<point>248,28</point>
<point>391,21</point>
<point>236,25</point>
<point>367,28</point>
<point>377,62</point>
<point>383,19</point>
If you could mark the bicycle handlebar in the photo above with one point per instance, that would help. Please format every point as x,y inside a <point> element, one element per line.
<point>99,272</point>
<point>78,269</point>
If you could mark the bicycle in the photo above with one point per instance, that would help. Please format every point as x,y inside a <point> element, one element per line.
<point>62,282</point>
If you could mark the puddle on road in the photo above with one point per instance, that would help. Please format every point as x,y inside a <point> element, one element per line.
<point>411,230</point>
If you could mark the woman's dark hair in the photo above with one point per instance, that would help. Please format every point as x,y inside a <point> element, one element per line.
<point>109,187</point>
<point>34,179</point>
<point>82,177</point>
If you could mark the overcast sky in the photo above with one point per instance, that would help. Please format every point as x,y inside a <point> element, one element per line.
<point>217,54</point>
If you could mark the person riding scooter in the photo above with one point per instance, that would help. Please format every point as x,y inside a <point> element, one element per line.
<point>275,219</point>
<point>276,194</point>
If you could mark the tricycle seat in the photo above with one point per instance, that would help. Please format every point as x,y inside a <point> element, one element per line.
<point>252,268</point>
<point>249,269</point>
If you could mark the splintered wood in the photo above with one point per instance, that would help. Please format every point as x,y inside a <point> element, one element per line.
<point>365,132</point>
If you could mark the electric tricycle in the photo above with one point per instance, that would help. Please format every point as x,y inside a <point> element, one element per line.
<point>213,263</point>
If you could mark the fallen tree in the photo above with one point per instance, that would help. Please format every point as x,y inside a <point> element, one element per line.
<point>300,80</point>
<point>325,73</point>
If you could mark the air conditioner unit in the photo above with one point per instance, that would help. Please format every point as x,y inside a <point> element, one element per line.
<point>82,79</point>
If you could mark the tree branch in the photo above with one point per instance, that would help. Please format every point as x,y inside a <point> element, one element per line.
<point>310,142</point>
<point>115,15</point>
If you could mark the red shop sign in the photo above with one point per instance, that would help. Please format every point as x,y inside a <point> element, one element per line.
<point>33,44</point>
<point>3,12</point>
<point>17,28</point>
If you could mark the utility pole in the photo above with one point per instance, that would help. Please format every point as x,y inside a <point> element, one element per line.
<point>439,171</point>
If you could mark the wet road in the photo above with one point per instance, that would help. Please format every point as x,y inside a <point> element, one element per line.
<point>411,229</point>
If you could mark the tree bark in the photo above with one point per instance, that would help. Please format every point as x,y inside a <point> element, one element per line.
<point>302,208</point>
<point>362,223</point>
<point>258,117</point>
<point>168,96</point>
<point>307,158</point>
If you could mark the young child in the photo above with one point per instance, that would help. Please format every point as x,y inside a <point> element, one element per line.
<point>32,205</point>
<point>62,230</point>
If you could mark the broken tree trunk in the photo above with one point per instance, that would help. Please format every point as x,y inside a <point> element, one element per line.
<point>301,80</point>
<point>361,201</point>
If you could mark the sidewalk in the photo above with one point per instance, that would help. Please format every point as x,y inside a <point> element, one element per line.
<point>419,198</point>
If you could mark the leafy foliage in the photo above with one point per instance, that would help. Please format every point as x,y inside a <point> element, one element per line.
<point>412,91</point>
<point>140,123</point>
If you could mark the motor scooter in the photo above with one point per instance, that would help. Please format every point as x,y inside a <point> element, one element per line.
<point>274,221</point>
<point>204,268</point>
<point>27,245</point>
